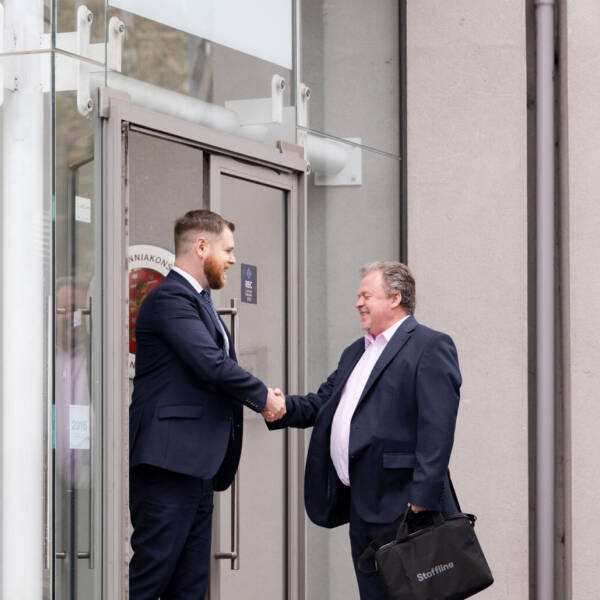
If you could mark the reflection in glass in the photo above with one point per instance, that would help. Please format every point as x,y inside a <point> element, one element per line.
<point>77,408</point>
<point>354,79</point>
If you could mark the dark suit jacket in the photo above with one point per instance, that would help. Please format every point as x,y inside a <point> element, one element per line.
<point>401,433</point>
<point>186,411</point>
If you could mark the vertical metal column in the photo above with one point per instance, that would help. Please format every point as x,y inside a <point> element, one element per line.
<point>23,312</point>
<point>545,299</point>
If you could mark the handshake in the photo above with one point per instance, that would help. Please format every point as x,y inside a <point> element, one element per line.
<point>275,406</point>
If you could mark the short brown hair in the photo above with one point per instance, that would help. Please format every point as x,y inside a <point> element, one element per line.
<point>397,279</point>
<point>196,222</point>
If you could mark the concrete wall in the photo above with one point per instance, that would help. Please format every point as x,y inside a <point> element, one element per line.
<point>581,256</point>
<point>467,245</point>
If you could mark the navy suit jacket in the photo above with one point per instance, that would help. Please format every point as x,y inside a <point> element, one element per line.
<point>401,433</point>
<point>186,411</point>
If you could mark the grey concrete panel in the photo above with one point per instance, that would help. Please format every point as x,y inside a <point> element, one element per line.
<point>467,246</point>
<point>580,228</point>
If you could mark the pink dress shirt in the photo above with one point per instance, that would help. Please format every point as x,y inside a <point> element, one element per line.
<point>340,427</point>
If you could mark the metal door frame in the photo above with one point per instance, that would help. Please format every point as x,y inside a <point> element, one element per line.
<point>117,113</point>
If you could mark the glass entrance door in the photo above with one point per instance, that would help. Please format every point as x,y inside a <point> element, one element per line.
<point>251,525</point>
<point>164,178</point>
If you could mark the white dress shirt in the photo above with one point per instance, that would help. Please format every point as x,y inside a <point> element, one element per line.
<point>340,428</point>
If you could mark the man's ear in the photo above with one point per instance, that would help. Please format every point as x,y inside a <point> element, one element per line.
<point>201,246</point>
<point>397,299</point>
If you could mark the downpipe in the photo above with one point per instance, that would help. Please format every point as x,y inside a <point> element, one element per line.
<point>545,333</point>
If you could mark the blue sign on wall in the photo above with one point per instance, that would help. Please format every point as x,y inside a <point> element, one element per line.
<point>249,284</point>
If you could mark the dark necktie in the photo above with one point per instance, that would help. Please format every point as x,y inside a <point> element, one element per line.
<point>206,297</point>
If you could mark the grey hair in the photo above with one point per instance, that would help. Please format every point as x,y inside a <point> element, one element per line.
<point>397,279</point>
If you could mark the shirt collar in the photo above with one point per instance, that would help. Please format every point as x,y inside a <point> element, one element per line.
<point>191,280</point>
<point>387,334</point>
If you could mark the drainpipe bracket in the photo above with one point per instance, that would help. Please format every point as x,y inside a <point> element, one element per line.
<point>351,172</point>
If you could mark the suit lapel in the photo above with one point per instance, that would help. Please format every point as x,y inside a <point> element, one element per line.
<point>392,348</point>
<point>177,279</point>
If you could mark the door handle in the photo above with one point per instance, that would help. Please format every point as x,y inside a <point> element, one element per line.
<point>234,554</point>
<point>89,554</point>
<point>91,537</point>
<point>48,455</point>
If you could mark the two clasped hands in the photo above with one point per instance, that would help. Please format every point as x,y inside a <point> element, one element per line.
<point>275,406</point>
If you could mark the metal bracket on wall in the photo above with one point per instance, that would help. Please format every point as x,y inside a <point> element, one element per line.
<point>262,118</point>
<point>116,32</point>
<point>332,170</point>
<point>333,162</point>
<point>303,98</point>
<point>85,18</point>
<point>71,74</point>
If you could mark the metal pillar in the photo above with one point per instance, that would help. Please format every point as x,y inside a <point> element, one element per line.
<point>23,342</point>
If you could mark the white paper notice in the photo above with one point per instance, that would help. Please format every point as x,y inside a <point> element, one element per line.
<point>79,427</point>
<point>83,209</point>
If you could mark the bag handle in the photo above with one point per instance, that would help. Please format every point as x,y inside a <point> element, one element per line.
<point>367,558</point>
<point>436,516</point>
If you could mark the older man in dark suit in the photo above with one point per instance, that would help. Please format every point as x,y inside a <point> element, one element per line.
<point>383,421</point>
<point>186,414</point>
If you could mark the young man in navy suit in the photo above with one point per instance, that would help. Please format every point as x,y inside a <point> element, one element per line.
<point>185,433</point>
<point>383,421</point>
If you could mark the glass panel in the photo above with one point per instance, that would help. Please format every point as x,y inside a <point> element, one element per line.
<point>264,31</point>
<point>354,79</point>
<point>66,26</point>
<point>159,170</point>
<point>347,227</point>
<point>25,328</point>
<point>78,369</point>
<point>259,214</point>
<point>209,79</point>
<point>27,25</point>
<point>165,181</point>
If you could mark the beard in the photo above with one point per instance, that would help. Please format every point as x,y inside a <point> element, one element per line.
<point>215,273</point>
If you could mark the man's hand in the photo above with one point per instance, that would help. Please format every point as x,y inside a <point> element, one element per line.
<point>275,406</point>
<point>417,509</point>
